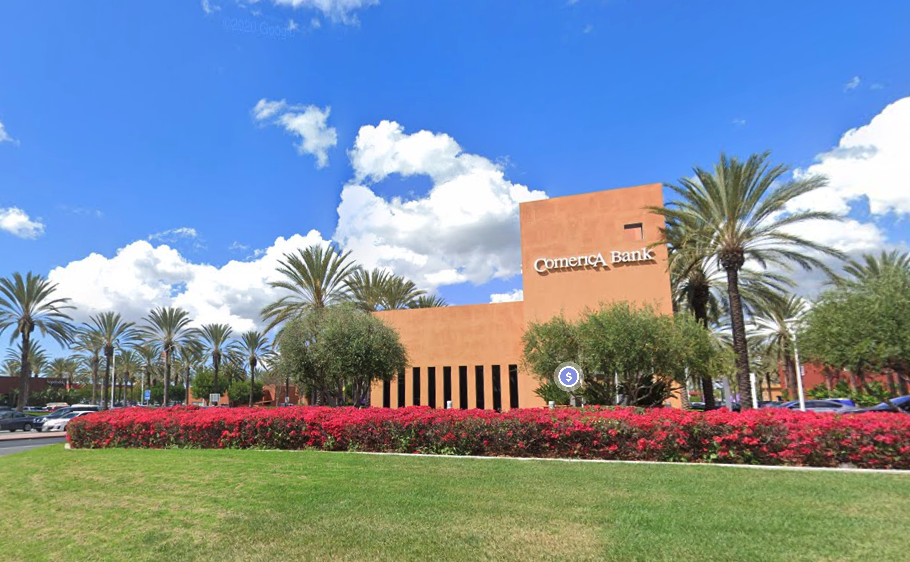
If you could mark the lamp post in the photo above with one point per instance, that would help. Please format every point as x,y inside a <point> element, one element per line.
<point>799,371</point>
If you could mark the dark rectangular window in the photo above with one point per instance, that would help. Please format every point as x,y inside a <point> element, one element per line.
<point>497,388</point>
<point>478,386</point>
<point>401,389</point>
<point>463,387</point>
<point>386,394</point>
<point>513,386</point>
<point>446,386</point>
<point>431,387</point>
<point>415,386</point>
<point>634,231</point>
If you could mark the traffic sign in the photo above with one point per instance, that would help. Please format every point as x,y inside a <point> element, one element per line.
<point>148,395</point>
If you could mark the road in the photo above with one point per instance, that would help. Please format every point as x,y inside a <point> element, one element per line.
<point>11,446</point>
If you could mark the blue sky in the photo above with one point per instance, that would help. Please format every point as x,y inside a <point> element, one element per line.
<point>134,128</point>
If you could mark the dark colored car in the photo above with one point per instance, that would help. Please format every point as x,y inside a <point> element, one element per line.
<point>12,421</point>
<point>700,406</point>
<point>39,422</point>
<point>817,405</point>
<point>902,403</point>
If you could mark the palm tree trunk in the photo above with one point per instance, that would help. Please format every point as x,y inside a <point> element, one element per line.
<point>740,347</point>
<point>252,380</point>
<point>768,382</point>
<point>187,381</point>
<point>216,362</point>
<point>95,362</point>
<point>25,371</point>
<point>167,375</point>
<point>700,309</point>
<point>104,382</point>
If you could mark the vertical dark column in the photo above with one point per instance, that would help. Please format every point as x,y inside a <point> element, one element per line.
<point>446,385</point>
<point>386,394</point>
<point>431,387</point>
<point>478,386</point>
<point>463,387</point>
<point>513,386</point>
<point>497,388</point>
<point>401,389</point>
<point>416,386</point>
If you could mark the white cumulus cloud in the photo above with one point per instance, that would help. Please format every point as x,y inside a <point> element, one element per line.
<point>141,276</point>
<point>17,222</point>
<point>464,229</point>
<point>871,162</point>
<point>309,123</point>
<point>512,296</point>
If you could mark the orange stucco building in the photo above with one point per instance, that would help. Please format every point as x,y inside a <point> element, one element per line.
<point>576,252</point>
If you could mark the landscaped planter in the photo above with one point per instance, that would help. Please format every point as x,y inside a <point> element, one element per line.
<point>766,436</point>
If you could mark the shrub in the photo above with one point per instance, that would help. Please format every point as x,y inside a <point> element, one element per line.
<point>764,436</point>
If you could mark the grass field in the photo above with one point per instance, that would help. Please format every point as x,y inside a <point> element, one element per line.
<point>188,505</point>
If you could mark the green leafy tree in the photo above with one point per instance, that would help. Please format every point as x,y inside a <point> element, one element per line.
<point>113,331</point>
<point>168,329</point>
<point>627,352</point>
<point>28,304</point>
<point>204,384</point>
<point>315,278</point>
<point>239,392</point>
<point>739,212</point>
<point>862,328</point>
<point>340,348</point>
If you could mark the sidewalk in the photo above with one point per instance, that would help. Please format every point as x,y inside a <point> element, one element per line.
<point>25,435</point>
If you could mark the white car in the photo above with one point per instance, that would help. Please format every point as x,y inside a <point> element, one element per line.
<point>59,424</point>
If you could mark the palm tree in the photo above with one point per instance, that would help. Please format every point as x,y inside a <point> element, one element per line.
<point>128,363</point>
<point>216,339</point>
<point>699,286</point>
<point>168,328</point>
<point>316,278</point>
<point>869,266</point>
<point>366,288</point>
<point>37,359</point>
<point>64,368</point>
<point>775,326</point>
<point>89,343</point>
<point>26,304</point>
<point>737,213</point>
<point>189,356</point>
<point>398,292</point>
<point>428,301</point>
<point>148,356</point>
<point>253,346</point>
<point>111,327</point>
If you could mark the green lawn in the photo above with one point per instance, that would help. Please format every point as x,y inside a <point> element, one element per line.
<point>181,505</point>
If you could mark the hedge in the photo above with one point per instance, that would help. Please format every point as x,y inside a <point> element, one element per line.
<point>764,436</point>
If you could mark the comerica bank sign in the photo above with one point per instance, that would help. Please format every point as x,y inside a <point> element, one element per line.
<point>543,265</point>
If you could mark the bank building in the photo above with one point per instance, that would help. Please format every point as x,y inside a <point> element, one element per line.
<point>577,251</point>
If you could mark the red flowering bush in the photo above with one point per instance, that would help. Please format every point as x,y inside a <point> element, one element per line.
<point>766,436</point>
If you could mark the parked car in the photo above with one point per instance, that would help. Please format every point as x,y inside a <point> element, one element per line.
<point>12,421</point>
<point>817,405</point>
<point>59,424</point>
<point>54,406</point>
<point>902,403</point>
<point>39,422</point>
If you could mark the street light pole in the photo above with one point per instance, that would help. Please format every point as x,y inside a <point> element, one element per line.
<point>113,374</point>
<point>799,374</point>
